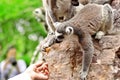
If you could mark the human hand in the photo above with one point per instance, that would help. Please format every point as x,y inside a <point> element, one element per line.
<point>38,71</point>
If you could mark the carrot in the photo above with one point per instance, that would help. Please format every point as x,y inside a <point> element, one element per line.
<point>47,49</point>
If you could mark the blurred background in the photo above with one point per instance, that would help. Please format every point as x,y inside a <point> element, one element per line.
<point>19,27</point>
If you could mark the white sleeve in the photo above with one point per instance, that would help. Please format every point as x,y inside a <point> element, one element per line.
<point>21,65</point>
<point>22,76</point>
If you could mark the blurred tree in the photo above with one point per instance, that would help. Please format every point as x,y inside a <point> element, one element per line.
<point>18,27</point>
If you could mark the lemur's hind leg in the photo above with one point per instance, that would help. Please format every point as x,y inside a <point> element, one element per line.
<point>88,48</point>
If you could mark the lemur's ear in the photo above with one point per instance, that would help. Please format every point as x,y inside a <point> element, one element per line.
<point>75,2</point>
<point>69,30</point>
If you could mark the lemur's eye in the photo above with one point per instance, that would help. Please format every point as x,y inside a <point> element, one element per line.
<point>60,37</point>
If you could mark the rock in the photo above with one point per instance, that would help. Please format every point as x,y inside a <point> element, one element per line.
<point>109,45</point>
<point>65,59</point>
<point>100,72</point>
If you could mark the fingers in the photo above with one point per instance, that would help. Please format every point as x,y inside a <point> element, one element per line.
<point>43,67</point>
<point>43,71</point>
<point>38,64</point>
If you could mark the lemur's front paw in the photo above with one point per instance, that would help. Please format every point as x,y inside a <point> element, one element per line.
<point>47,42</point>
<point>42,45</point>
<point>83,75</point>
<point>43,48</point>
<point>99,35</point>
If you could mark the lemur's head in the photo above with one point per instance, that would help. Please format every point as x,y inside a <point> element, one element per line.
<point>62,30</point>
<point>64,10</point>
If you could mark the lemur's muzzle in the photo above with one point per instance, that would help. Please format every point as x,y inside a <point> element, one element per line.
<point>75,2</point>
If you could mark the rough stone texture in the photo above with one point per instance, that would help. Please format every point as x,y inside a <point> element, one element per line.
<point>65,58</point>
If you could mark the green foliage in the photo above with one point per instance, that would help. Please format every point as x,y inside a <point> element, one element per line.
<point>18,27</point>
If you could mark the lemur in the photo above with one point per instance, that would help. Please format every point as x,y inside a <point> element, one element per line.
<point>88,21</point>
<point>55,11</point>
<point>58,11</point>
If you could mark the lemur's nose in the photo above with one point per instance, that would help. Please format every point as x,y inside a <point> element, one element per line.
<point>61,18</point>
<point>75,2</point>
<point>60,37</point>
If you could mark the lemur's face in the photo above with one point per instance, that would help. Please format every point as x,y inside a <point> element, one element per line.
<point>63,10</point>
<point>59,36</point>
<point>62,31</point>
<point>75,2</point>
